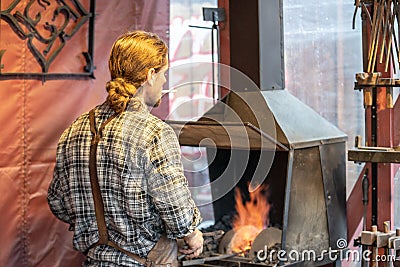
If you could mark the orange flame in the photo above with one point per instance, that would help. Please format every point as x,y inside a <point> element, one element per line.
<point>251,219</point>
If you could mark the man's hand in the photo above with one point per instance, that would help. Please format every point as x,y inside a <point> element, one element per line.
<point>194,242</point>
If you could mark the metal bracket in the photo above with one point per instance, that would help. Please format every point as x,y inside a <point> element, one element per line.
<point>47,32</point>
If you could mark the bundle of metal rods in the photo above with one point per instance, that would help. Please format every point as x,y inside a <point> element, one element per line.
<point>383,16</point>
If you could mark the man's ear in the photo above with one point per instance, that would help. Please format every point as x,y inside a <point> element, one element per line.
<point>150,76</point>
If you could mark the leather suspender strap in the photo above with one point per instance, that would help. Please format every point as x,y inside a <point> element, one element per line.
<point>98,200</point>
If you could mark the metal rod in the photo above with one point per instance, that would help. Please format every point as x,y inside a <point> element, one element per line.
<point>365,199</point>
<point>393,35</point>
<point>213,61</point>
<point>90,67</point>
<point>200,27</point>
<point>287,197</point>
<point>390,33</point>
<point>214,27</point>
<point>385,24</point>
<point>45,76</point>
<point>398,30</point>
<point>374,166</point>
<point>396,10</point>
<point>372,39</point>
<point>357,4</point>
<point>218,66</point>
<point>377,35</point>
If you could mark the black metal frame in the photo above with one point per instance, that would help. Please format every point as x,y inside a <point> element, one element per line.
<point>215,15</point>
<point>16,19</point>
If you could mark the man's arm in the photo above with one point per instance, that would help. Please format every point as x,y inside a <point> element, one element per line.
<point>168,186</point>
<point>58,186</point>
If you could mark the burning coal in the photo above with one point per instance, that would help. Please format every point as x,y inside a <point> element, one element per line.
<point>252,217</point>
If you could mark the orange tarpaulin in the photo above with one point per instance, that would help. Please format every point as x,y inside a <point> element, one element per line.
<point>33,115</point>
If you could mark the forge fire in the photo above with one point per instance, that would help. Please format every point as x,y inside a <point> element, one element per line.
<point>250,220</point>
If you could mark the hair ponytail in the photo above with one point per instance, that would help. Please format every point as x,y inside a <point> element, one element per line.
<point>131,57</point>
<point>120,93</point>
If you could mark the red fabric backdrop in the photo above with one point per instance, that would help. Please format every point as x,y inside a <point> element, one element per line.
<point>34,114</point>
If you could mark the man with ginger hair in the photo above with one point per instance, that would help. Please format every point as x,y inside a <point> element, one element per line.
<point>144,191</point>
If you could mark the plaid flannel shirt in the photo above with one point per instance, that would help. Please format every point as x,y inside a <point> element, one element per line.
<point>144,190</point>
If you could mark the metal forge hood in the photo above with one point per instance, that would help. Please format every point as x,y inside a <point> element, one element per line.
<point>270,137</point>
<point>269,119</point>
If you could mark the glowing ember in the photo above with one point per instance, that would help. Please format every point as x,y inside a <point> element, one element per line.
<point>251,219</point>
<point>243,238</point>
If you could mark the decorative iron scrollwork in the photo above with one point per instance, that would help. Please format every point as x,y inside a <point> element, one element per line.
<point>47,26</point>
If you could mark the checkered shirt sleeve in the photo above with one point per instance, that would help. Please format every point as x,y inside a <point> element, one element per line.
<point>168,186</point>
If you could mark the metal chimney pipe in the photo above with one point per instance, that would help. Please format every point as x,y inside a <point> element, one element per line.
<point>271,45</point>
<point>252,42</point>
